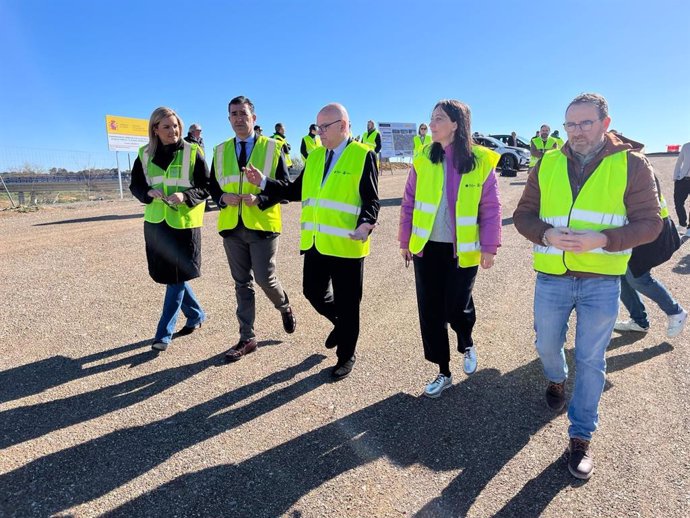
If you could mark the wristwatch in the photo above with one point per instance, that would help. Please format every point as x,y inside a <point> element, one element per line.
<point>544,239</point>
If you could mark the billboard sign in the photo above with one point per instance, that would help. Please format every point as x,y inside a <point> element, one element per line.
<point>126,133</point>
<point>397,139</point>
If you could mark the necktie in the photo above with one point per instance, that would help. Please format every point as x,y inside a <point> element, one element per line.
<point>328,162</point>
<point>242,160</point>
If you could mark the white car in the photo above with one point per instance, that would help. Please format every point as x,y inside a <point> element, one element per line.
<point>511,157</point>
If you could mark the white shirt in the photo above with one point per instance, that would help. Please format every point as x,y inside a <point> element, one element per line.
<point>682,169</point>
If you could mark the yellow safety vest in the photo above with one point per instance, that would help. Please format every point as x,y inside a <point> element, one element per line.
<point>598,206</point>
<point>539,144</point>
<point>311,143</point>
<point>330,209</point>
<point>265,156</point>
<point>663,213</point>
<point>559,141</point>
<point>176,178</point>
<point>282,140</point>
<point>369,139</point>
<point>429,189</point>
<point>418,144</point>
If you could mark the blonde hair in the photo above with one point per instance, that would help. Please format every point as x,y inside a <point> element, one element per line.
<point>156,117</point>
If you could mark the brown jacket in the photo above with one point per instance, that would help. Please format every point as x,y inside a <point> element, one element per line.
<point>640,198</point>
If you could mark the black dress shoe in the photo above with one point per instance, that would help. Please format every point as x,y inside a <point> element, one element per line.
<point>289,320</point>
<point>188,330</point>
<point>342,370</point>
<point>332,340</point>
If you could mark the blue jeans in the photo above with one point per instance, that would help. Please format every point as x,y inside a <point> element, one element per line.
<point>595,301</point>
<point>178,296</point>
<point>650,288</point>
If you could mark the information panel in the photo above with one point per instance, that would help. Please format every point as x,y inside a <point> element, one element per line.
<point>126,133</point>
<point>397,139</point>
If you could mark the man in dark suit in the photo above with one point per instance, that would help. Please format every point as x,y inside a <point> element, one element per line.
<point>339,192</point>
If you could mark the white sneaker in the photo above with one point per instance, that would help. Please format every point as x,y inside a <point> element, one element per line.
<point>441,383</point>
<point>469,363</point>
<point>629,325</point>
<point>681,229</point>
<point>676,323</point>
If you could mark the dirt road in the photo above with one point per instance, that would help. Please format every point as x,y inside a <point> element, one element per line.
<point>92,422</point>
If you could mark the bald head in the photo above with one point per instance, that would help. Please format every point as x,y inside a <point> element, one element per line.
<point>335,110</point>
<point>334,125</point>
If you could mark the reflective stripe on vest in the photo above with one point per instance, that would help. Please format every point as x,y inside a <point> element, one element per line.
<point>429,190</point>
<point>265,155</point>
<point>369,139</point>
<point>176,178</point>
<point>311,143</point>
<point>599,206</point>
<point>330,208</point>
<point>539,144</point>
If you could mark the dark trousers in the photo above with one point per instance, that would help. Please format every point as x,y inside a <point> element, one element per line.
<point>253,257</point>
<point>681,191</point>
<point>333,285</point>
<point>444,296</point>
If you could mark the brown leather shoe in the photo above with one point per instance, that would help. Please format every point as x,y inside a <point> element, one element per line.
<point>555,396</point>
<point>289,320</point>
<point>243,348</point>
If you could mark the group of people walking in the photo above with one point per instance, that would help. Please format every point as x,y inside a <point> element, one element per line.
<point>585,208</point>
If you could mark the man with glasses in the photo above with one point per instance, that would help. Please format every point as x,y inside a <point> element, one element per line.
<point>340,204</point>
<point>249,221</point>
<point>584,207</point>
<point>541,143</point>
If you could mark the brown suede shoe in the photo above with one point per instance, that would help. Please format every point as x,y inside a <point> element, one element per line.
<point>243,348</point>
<point>289,320</point>
<point>555,396</point>
<point>580,463</point>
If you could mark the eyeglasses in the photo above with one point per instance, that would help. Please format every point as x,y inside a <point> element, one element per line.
<point>584,125</point>
<point>324,127</point>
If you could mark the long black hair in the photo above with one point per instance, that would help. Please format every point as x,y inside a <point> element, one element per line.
<point>463,158</point>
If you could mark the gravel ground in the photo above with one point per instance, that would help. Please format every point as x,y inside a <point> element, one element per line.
<point>92,422</point>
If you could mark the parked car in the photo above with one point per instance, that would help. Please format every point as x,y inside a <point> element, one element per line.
<point>511,157</point>
<point>521,141</point>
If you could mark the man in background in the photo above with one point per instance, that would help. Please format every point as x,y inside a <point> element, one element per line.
<point>194,135</point>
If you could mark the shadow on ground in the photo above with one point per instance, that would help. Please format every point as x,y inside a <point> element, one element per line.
<point>107,217</point>
<point>487,420</point>
<point>683,266</point>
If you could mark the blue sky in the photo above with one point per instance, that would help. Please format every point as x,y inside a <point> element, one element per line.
<point>517,64</point>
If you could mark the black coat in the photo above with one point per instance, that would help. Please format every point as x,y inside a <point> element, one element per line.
<point>173,255</point>
<point>647,256</point>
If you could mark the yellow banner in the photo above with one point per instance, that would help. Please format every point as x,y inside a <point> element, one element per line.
<point>115,125</point>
